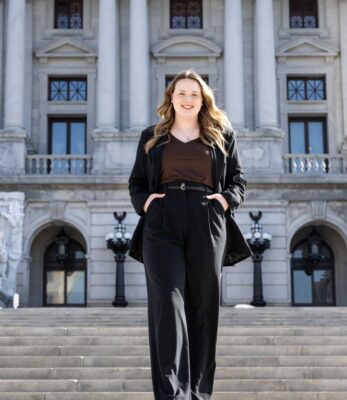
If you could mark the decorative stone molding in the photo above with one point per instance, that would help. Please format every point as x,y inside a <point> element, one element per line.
<point>65,48</point>
<point>306,47</point>
<point>319,208</point>
<point>57,210</point>
<point>184,46</point>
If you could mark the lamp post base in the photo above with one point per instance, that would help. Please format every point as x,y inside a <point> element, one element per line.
<point>258,303</point>
<point>119,302</point>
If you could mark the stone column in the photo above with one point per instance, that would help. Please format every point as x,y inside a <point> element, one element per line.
<point>343,44</point>
<point>15,62</point>
<point>233,63</point>
<point>139,65</point>
<point>266,99</point>
<point>12,138</point>
<point>107,66</point>
<point>106,132</point>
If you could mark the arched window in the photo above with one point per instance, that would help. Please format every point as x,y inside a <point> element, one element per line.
<point>313,278</point>
<point>65,283</point>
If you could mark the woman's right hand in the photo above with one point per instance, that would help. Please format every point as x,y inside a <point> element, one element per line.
<point>150,198</point>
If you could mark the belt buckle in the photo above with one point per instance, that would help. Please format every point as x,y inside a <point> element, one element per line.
<point>183,186</point>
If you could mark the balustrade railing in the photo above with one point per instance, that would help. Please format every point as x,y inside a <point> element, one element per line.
<point>315,164</point>
<point>59,164</point>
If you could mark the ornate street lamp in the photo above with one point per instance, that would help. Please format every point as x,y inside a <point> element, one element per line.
<point>62,245</point>
<point>314,246</point>
<point>258,242</point>
<point>119,242</point>
<point>314,250</point>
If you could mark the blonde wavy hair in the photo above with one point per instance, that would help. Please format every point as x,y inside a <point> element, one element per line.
<point>212,120</point>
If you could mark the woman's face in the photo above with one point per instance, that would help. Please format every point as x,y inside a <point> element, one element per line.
<point>187,98</point>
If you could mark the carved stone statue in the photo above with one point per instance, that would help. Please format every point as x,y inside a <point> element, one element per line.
<point>3,255</point>
<point>11,232</point>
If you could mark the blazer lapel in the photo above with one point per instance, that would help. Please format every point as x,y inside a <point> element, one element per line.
<point>218,161</point>
<point>155,160</point>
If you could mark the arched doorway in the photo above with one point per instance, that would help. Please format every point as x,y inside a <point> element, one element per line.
<point>313,272</point>
<point>65,278</point>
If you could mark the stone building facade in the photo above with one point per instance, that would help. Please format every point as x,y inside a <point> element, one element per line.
<point>79,80</point>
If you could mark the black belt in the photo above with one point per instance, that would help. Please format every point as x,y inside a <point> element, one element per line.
<point>184,186</point>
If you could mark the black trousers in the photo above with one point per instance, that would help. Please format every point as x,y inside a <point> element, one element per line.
<point>184,238</point>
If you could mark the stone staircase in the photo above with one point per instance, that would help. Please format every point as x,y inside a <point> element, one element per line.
<point>271,353</point>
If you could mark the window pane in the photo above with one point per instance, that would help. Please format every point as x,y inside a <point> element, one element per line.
<point>306,88</point>
<point>193,22</point>
<point>315,135</point>
<point>315,89</point>
<point>76,14</point>
<point>300,251</point>
<point>75,287</point>
<point>178,22</point>
<point>77,144</point>
<point>302,287</point>
<point>303,13</point>
<point>325,252</point>
<point>58,90</point>
<point>186,14</point>
<point>296,89</point>
<point>297,137</point>
<point>323,287</point>
<point>59,138</point>
<point>78,90</point>
<point>68,14</point>
<point>55,287</point>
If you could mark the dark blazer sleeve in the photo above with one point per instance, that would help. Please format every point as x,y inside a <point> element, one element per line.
<point>235,183</point>
<point>138,180</point>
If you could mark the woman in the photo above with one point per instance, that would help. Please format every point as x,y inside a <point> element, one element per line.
<point>185,183</point>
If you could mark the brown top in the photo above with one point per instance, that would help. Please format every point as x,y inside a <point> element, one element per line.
<point>190,161</point>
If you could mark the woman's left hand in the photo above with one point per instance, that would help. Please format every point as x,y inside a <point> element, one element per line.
<point>220,198</point>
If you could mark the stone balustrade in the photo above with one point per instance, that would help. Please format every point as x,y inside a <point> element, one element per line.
<point>315,164</point>
<point>59,164</point>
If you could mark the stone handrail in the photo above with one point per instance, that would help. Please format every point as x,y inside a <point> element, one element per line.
<point>59,164</point>
<point>315,164</point>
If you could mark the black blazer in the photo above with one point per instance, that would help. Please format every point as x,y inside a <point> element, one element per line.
<point>227,177</point>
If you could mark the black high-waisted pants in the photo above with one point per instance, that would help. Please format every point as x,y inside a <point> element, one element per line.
<point>184,238</point>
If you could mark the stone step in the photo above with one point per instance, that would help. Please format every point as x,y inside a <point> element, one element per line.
<point>145,385</point>
<point>143,340</point>
<point>144,361</point>
<point>238,372</point>
<point>25,331</point>
<point>311,395</point>
<point>273,353</point>
<point>137,316</point>
<point>268,350</point>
